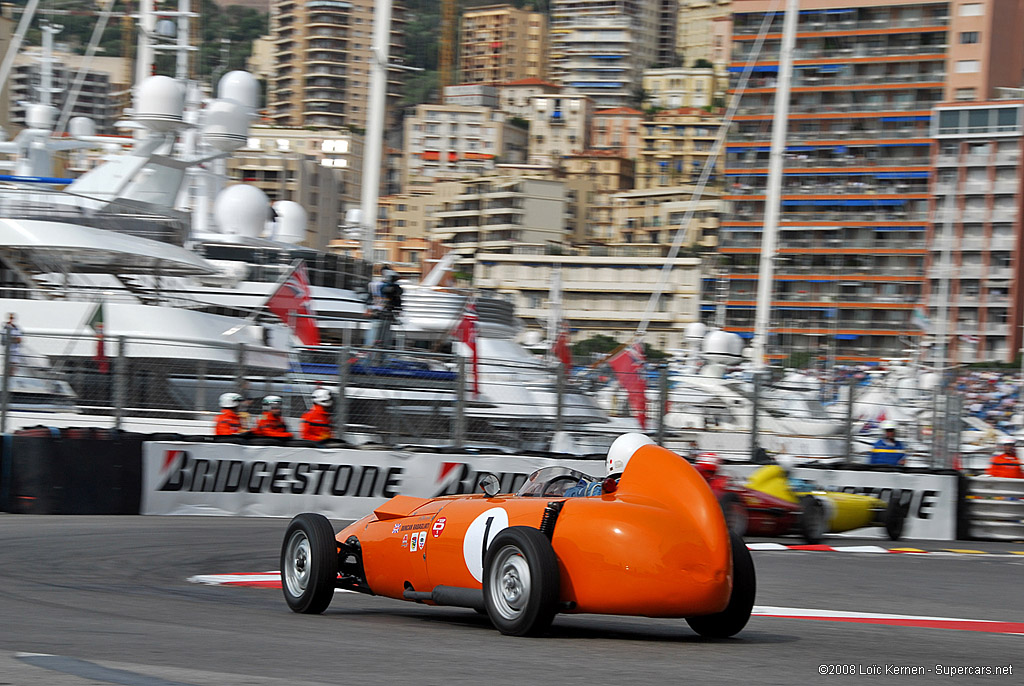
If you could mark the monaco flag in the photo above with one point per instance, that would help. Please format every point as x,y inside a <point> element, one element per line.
<point>293,304</point>
<point>628,365</point>
<point>467,330</point>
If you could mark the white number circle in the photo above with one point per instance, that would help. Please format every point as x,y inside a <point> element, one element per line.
<point>478,536</point>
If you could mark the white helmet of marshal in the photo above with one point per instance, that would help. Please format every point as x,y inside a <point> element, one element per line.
<point>888,424</point>
<point>230,400</point>
<point>322,396</point>
<point>623,449</point>
<point>272,401</point>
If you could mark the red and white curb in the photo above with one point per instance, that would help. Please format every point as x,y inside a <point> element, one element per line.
<point>822,547</point>
<point>916,621</point>
<point>273,580</point>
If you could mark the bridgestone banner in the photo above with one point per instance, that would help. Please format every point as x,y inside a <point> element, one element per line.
<point>270,481</point>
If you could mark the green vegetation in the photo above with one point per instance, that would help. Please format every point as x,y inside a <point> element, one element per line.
<point>601,344</point>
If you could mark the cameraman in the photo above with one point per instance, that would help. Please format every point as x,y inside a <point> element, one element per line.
<point>391,308</point>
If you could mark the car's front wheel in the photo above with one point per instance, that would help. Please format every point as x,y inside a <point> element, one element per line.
<point>521,582</point>
<point>309,563</point>
<point>813,519</point>
<point>736,614</point>
<point>895,516</point>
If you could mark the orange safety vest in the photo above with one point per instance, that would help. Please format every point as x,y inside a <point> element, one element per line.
<point>1006,466</point>
<point>271,425</point>
<point>228,423</point>
<point>316,424</point>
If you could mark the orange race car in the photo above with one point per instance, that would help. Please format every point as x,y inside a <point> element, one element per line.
<point>650,539</point>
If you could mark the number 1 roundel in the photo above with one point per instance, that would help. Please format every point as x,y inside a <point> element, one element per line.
<point>478,536</point>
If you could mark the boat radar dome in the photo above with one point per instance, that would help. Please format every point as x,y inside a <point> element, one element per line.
<point>241,87</point>
<point>722,347</point>
<point>291,222</point>
<point>695,331</point>
<point>81,127</point>
<point>225,125</point>
<point>241,210</point>
<point>159,103</point>
<point>39,116</point>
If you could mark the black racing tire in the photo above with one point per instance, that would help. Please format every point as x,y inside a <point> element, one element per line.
<point>309,564</point>
<point>735,512</point>
<point>813,522</point>
<point>521,582</point>
<point>736,614</point>
<point>895,516</point>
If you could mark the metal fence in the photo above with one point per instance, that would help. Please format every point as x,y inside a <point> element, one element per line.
<point>429,397</point>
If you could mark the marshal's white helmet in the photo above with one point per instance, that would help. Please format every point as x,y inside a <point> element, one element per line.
<point>622,450</point>
<point>271,400</point>
<point>888,424</point>
<point>230,400</point>
<point>322,396</point>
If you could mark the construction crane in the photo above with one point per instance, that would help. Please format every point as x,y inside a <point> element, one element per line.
<point>449,10</point>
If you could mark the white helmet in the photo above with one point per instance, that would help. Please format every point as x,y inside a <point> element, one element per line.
<point>622,450</point>
<point>230,400</point>
<point>888,424</point>
<point>272,400</point>
<point>1007,440</point>
<point>322,396</point>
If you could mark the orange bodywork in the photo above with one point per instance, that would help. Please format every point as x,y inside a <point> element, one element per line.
<point>658,546</point>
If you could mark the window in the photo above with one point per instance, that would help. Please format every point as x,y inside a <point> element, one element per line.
<point>968,37</point>
<point>971,9</point>
<point>968,66</point>
<point>965,94</point>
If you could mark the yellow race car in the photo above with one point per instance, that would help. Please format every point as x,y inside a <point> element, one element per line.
<point>838,511</point>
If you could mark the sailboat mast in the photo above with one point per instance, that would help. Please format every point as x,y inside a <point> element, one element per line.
<point>773,192</point>
<point>375,115</point>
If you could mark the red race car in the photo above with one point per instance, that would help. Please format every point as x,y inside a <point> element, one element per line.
<point>649,539</point>
<point>755,513</point>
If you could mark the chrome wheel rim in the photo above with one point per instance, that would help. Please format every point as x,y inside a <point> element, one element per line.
<point>510,582</point>
<point>297,564</point>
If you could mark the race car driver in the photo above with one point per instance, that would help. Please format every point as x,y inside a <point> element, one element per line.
<point>619,454</point>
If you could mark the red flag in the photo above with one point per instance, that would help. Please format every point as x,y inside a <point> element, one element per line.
<point>628,365</point>
<point>293,303</point>
<point>561,348</point>
<point>96,324</point>
<point>467,334</point>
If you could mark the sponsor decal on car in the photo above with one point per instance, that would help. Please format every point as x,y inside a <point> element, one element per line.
<point>405,541</point>
<point>396,528</point>
<point>413,543</point>
<point>423,539</point>
<point>438,526</point>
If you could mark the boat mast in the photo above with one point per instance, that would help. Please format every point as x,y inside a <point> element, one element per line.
<point>773,192</point>
<point>374,139</point>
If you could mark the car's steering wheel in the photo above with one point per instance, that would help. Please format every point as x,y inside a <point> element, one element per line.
<point>554,480</point>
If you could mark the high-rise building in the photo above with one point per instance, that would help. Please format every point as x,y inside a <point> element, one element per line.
<point>694,34</point>
<point>677,144</point>
<point>501,43</point>
<point>855,198</point>
<point>322,62</point>
<point>601,47</point>
<point>975,266</point>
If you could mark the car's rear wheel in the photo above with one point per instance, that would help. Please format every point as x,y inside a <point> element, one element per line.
<point>895,516</point>
<point>735,513</point>
<point>736,614</point>
<point>309,563</point>
<point>813,522</point>
<point>521,582</point>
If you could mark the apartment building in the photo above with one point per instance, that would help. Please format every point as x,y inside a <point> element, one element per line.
<point>514,96</point>
<point>695,34</point>
<point>603,291</point>
<point>104,93</point>
<point>600,47</point>
<point>674,87</point>
<point>320,170</point>
<point>974,263</point>
<point>559,126</point>
<point>500,43</point>
<point>653,216</point>
<point>677,144</point>
<point>607,172</point>
<point>450,142</point>
<point>855,206</point>
<point>502,214</point>
<point>322,62</point>
<point>617,129</point>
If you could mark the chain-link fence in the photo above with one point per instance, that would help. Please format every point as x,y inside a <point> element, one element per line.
<point>422,397</point>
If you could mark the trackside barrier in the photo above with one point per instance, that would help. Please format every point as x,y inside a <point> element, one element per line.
<point>995,508</point>
<point>56,475</point>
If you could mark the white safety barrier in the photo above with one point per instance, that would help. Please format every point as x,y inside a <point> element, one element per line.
<point>995,508</point>
<point>270,481</point>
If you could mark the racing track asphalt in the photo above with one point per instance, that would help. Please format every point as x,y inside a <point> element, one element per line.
<point>102,600</point>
